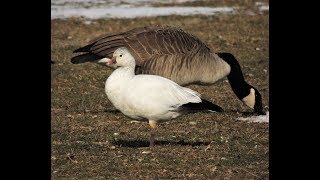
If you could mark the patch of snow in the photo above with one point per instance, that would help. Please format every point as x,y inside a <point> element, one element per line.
<point>259,119</point>
<point>95,9</point>
<point>87,22</point>
<point>146,152</point>
<point>259,3</point>
<point>133,12</point>
<point>116,2</point>
<point>262,6</point>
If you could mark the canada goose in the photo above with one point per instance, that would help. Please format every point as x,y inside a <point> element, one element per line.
<point>174,54</point>
<point>149,97</point>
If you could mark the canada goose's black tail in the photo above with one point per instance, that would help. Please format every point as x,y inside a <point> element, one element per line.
<point>204,105</point>
<point>82,58</point>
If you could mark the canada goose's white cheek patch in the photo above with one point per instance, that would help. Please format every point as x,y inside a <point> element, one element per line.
<point>250,99</point>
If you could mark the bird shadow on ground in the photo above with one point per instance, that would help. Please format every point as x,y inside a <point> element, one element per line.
<point>244,113</point>
<point>141,143</point>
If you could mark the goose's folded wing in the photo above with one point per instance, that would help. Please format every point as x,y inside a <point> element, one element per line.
<point>156,92</point>
<point>146,43</point>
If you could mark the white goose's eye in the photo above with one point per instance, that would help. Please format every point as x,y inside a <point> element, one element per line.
<point>120,55</point>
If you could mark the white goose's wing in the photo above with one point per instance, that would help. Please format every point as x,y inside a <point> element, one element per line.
<point>154,94</point>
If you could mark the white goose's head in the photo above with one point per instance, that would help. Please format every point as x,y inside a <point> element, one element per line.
<point>122,57</point>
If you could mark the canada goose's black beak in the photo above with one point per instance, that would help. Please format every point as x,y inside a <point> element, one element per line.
<point>261,112</point>
<point>258,110</point>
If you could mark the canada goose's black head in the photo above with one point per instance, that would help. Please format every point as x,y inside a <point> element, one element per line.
<point>248,94</point>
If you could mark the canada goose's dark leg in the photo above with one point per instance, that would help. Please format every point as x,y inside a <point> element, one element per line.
<point>153,125</point>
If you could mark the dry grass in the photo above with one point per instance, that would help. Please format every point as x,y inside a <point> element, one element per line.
<point>88,142</point>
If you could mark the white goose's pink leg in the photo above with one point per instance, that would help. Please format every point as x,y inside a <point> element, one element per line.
<point>153,125</point>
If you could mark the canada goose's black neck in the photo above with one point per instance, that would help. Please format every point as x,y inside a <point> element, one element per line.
<point>245,92</point>
<point>239,86</point>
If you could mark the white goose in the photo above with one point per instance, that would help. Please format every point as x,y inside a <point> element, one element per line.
<point>149,97</point>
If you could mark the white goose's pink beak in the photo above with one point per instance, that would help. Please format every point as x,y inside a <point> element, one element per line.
<point>112,61</point>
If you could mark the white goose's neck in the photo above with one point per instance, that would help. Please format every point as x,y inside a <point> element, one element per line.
<point>125,72</point>
<point>120,76</point>
<point>116,83</point>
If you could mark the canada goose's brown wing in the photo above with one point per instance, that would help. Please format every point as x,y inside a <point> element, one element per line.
<point>181,68</point>
<point>104,45</point>
<point>147,43</point>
